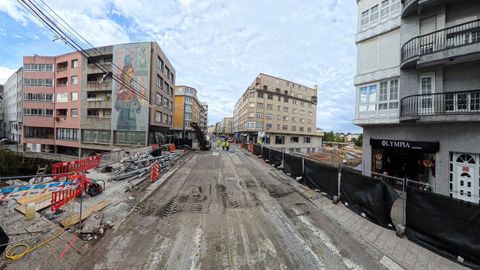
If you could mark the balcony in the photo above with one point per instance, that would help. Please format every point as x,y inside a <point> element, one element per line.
<point>99,103</point>
<point>442,44</point>
<point>409,7</point>
<point>95,86</point>
<point>441,107</point>
<point>99,67</point>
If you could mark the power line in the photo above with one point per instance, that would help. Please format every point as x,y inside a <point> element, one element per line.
<point>47,21</point>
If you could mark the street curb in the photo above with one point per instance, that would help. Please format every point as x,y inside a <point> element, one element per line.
<point>154,187</point>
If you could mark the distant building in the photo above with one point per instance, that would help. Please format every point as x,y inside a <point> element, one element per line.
<point>279,113</point>
<point>349,137</point>
<point>204,118</point>
<point>12,107</point>
<point>211,129</point>
<point>188,109</point>
<point>227,126</point>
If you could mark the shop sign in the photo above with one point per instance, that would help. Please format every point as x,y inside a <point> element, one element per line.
<point>405,145</point>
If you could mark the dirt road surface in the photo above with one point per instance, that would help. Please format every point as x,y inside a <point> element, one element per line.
<point>229,211</point>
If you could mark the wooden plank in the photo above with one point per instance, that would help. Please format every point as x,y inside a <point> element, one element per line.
<point>35,198</point>
<point>75,218</point>
<point>38,206</point>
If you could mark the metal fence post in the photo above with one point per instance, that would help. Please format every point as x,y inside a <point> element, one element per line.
<point>336,199</point>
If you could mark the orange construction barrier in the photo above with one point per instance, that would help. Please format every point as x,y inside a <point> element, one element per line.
<point>63,169</point>
<point>155,172</point>
<point>172,148</point>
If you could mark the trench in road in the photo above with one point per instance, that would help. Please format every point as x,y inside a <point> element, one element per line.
<point>228,211</point>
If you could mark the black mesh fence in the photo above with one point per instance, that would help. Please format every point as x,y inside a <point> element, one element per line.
<point>368,196</point>
<point>292,165</point>
<point>257,149</point>
<point>321,176</point>
<point>3,240</point>
<point>444,225</point>
<point>265,153</point>
<point>275,157</point>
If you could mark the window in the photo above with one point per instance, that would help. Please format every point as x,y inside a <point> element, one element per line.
<point>251,115</point>
<point>364,20</point>
<point>251,105</point>
<point>294,139</point>
<point>260,95</point>
<point>269,107</point>
<point>260,105</point>
<point>393,94</point>
<point>159,81</point>
<point>37,82</point>
<point>158,117</point>
<point>160,63</point>
<point>74,96</point>
<point>62,97</point>
<point>259,115</point>
<point>74,112</point>
<point>270,96</point>
<point>268,126</point>
<point>285,109</point>
<point>294,128</point>
<point>284,127</point>
<point>294,110</point>
<point>285,118</point>
<point>74,63</point>
<point>385,8</point>
<point>129,137</point>
<point>394,5</point>
<point>96,136</point>
<point>265,88</point>
<point>38,67</point>
<point>277,90</point>
<point>67,134</point>
<point>374,13</point>
<point>306,139</point>
<point>279,139</point>
<point>383,96</point>
<point>285,99</point>
<point>301,129</point>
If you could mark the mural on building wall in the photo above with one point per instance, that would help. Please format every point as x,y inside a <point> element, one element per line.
<point>130,110</point>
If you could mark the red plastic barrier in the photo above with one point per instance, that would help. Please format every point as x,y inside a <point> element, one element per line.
<point>251,147</point>
<point>61,197</point>
<point>63,169</point>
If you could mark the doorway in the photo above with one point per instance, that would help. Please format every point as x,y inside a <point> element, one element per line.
<point>464,176</point>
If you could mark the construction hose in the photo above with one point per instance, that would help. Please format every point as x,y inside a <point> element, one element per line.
<point>14,253</point>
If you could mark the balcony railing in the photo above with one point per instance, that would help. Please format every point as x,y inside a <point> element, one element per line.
<point>447,103</point>
<point>452,37</point>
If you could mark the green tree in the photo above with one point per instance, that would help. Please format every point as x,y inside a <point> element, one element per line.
<point>358,142</point>
<point>329,136</point>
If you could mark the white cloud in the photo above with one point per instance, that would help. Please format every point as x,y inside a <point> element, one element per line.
<point>220,46</point>
<point>14,10</point>
<point>5,73</point>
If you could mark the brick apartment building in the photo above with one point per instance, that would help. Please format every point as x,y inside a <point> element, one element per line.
<point>72,106</point>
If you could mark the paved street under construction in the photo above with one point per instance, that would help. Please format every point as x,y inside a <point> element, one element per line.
<point>228,210</point>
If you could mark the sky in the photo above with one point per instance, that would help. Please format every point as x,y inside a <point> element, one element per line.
<point>217,47</point>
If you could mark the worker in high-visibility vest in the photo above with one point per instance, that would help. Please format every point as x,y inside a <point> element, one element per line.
<point>226,145</point>
<point>219,142</point>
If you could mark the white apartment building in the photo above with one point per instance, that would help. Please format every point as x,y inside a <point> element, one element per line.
<point>12,106</point>
<point>418,92</point>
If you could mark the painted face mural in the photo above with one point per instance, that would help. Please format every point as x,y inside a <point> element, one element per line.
<point>130,109</point>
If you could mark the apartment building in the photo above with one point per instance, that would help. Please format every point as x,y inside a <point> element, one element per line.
<point>73,105</point>
<point>431,135</point>
<point>188,109</point>
<point>227,126</point>
<point>204,117</point>
<point>2,124</point>
<point>279,113</point>
<point>12,107</point>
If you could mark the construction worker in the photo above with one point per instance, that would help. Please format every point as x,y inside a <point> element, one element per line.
<point>227,145</point>
<point>219,142</point>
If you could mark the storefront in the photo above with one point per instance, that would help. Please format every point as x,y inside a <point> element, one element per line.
<point>414,160</point>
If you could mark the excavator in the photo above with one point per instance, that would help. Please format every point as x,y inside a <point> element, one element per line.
<point>203,140</point>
